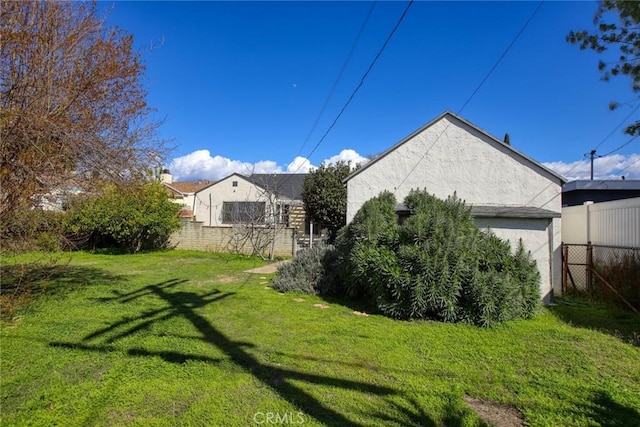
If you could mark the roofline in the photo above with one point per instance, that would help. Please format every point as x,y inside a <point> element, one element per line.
<point>499,211</point>
<point>229,176</point>
<point>174,188</point>
<point>601,184</point>
<point>442,115</point>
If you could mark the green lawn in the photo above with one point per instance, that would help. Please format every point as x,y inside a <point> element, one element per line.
<point>186,338</point>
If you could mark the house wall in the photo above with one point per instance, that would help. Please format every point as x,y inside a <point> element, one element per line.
<point>194,235</point>
<point>463,160</point>
<point>450,156</point>
<point>614,223</point>
<point>208,201</point>
<point>186,201</point>
<point>539,237</point>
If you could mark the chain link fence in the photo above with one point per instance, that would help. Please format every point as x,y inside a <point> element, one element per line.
<point>608,274</point>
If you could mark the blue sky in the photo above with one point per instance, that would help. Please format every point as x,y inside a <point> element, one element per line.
<point>241,84</point>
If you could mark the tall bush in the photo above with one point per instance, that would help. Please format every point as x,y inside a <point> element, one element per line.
<point>436,265</point>
<point>375,224</point>
<point>141,218</point>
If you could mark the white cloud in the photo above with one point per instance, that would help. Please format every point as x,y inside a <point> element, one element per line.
<point>300,165</point>
<point>202,165</point>
<point>608,167</point>
<point>347,155</point>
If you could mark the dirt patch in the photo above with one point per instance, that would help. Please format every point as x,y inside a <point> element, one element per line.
<point>227,279</point>
<point>360,313</point>
<point>267,269</point>
<point>321,305</point>
<point>496,414</point>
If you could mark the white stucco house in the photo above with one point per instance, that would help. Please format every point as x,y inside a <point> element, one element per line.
<point>257,199</point>
<point>510,193</point>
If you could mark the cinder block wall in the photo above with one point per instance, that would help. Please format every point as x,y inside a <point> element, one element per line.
<point>195,236</point>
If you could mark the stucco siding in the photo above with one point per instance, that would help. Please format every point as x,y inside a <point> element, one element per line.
<point>449,157</point>
<point>535,235</point>
<point>209,201</point>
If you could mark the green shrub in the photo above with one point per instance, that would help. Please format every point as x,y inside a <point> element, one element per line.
<point>140,218</point>
<point>373,225</point>
<point>437,265</point>
<point>33,229</point>
<point>311,271</point>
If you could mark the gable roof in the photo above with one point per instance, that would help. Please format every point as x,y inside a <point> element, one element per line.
<point>515,153</point>
<point>212,183</point>
<point>287,185</point>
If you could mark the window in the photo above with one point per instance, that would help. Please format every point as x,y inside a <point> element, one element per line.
<point>243,212</point>
<point>282,213</point>
<point>234,183</point>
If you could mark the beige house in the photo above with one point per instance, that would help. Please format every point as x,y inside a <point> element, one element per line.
<point>258,214</point>
<point>511,194</point>
<point>260,199</point>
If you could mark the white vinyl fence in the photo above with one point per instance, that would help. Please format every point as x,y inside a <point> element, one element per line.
<point>614,223</point>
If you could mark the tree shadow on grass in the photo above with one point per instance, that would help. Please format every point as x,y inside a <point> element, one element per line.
<point>607,412</point>
<point>280,380</point>
<point>619,323</point>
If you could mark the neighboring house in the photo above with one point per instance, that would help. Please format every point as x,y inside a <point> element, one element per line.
<point>62,190</point>
<point>182,192</point>
<point>578,192</point>
<point>511,194</point>
<point>259,199</point>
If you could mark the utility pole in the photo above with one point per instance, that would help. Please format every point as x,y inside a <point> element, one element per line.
<point>592,154</point>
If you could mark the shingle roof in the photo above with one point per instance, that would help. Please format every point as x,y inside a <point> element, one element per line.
<point>492,211</point>
<point>186,187</point>
<point>480,211</point>
<point>287,185</point>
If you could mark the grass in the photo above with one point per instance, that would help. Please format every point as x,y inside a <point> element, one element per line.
<point>187,338</point>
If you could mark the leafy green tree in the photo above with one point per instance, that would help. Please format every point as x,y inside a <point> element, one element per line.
<point>618,25</point>
<point>140,218</point>
<point>325,196</point>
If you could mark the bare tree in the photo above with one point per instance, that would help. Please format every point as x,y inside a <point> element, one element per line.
<point>258,222</point>
<point>72,103</point>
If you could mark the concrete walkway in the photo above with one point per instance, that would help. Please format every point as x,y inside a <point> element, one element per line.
<point>267,269</point>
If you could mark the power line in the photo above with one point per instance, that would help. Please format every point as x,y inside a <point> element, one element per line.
<point>526,24</point>
<point>362,80</point>
<point>630,164</point>
<point>338,78</point>
<point>623,145</point>
<point>617,127</point>
<point>515,38</point>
